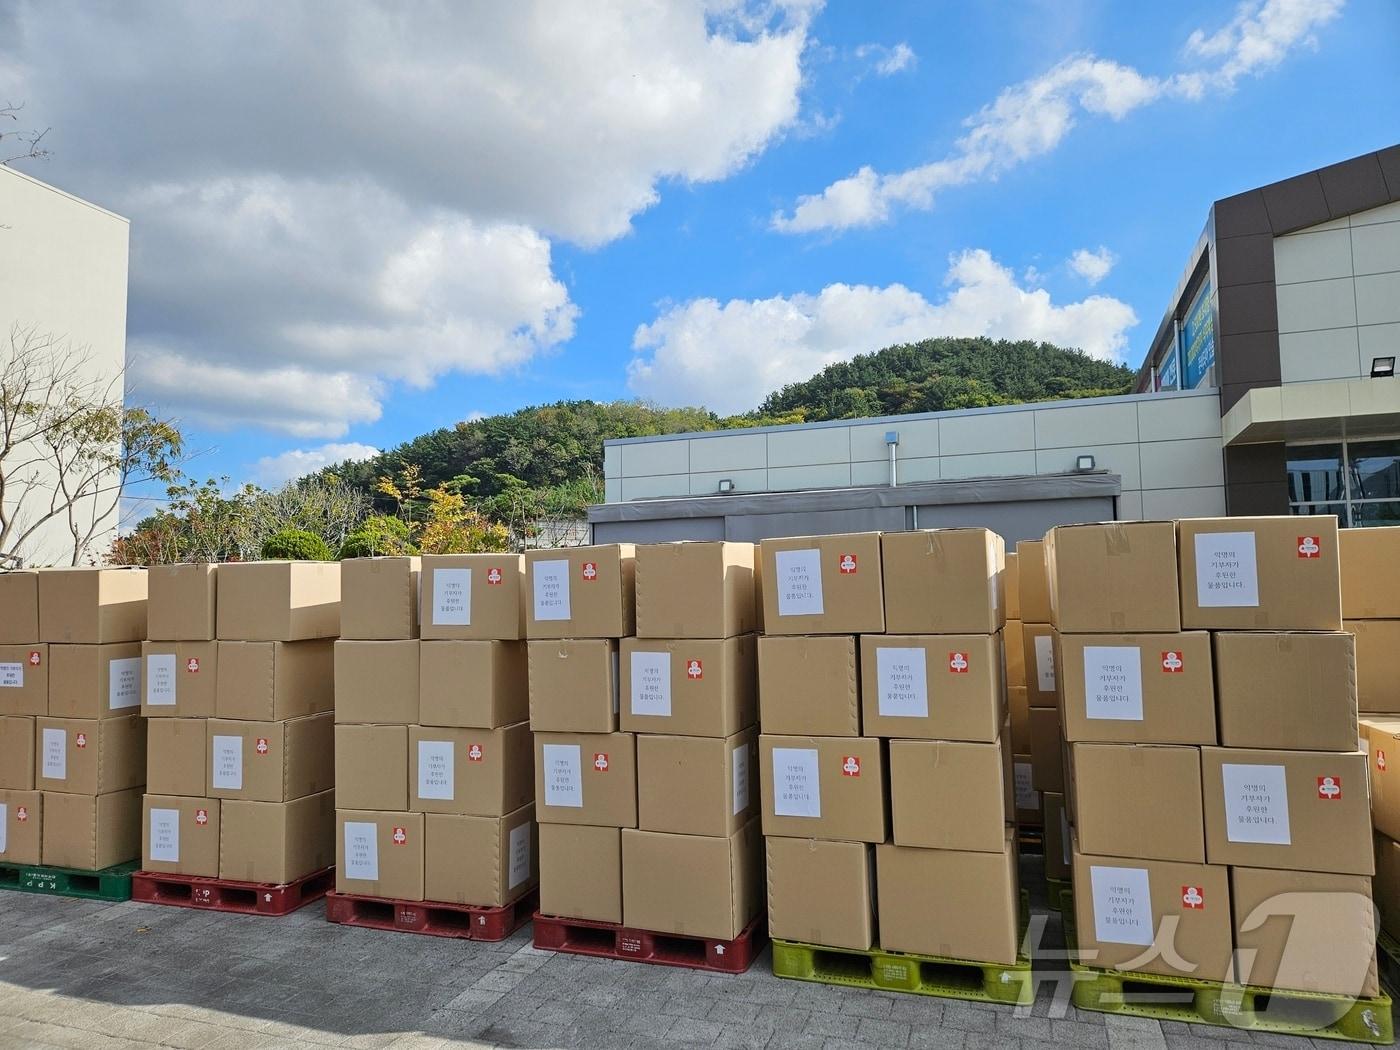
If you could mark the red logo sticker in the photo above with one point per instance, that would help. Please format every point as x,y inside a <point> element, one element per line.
<point>22,814</point>
<point>494,576</point>
<point>192,665</point>
<point>590,571</point>
<point>847,564</point>
<point>262,747</point>
<point>694,670</point>
<point>600,761</point>
<point>1173,662</point>
<point>475,753</point>
<point>81,740</point>
<point>1329,788</point>
<point>1309,546</point>
<point>35,658</point>
<point>201,817</point>
<point>850,766</point>
<point>1192,899</point>
<point>1380,760</point>
<point>400,836</point>
<point>958,663</point>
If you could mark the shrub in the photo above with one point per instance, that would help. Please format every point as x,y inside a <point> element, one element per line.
<point>379,534</point>
<point>295,545</point>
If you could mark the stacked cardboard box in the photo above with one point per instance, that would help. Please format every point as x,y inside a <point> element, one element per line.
<point>1039,754</point>
<point>24,698</point>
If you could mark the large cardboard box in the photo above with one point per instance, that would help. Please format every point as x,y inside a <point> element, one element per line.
<point>1013,641</point>
<point>92,606</point>
<point>696,590</point>
<point>180,835</point>
<point>177,756</point>
<point>472,683</point>
<point>1047,749</point>
<point>1305,931</point>
<point>1295,810</point>
<point>474,772</point>
<point>692,885</point>
<point>24,678</point>
<point>936,687</point>
<point>1034,579</point>
<point>943,581</point>
<point>1381,737</point>
<point>581,872</point>
<point>954,903</point>
<point>823,787</point>
<point>1387,884</point>
<point>586,778</point>
<point>17,747</point>
<point>1027,799</point>
<point>377,682</point>
<point>480,860</point>
<point>1059,858</point>
<point>278,601</point>
<point>1286,689</point>
<point>809,685</point>
<point>271,761</point>
<point>182,602</point>
<point>1038,655</point>
<point>948,794</point>
<point>1019,712</point>
<point>693,687</point>
<point>1146,916</point>
<point>379,854</point>
<point>1370,574</point>
<point>697,785</point>
<point>19,607</point>
<point>276,842</point>
<point>91,832</point>
<point>371,767</point>
<point>95,681</point>
<point>1139,800</point>
<point>581,592</point>
<point>1278,574</point>
<point>1011,585</point>
<point>1115,576</point>
<point>21,827</point>
<point>89,756</point>
<point>272,681</point>
<point>472,597</point>
<point>821,892</point>
<point>180,679</point>
<point>822,584</point>
<point>573,685</point>
<point>379,598</point>
<point>1377,662</point>
<point>1137,688</point>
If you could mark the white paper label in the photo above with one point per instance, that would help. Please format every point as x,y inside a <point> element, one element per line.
<point>552,590</point>
<point>651,684</point>
<point>1027,798</point>
<point>436,770</point>
<point>1256,803</point>
<point>124,683</point>
<point>796,788</point>
<point>519,855</point>
<point>452,597</point>
<point>55,754</point>
<point>563,775</point>
<point>165,835</point>
<point>1045,663</point>
<point>1227,575</point>
<point>227,773</point>
<point>361,850</point>
<point>799,582</point>
<point>1113,682</point>
<point>741,778</point>
<point>12,676</point>
<point>902,686</point>
<point>160,680</point>
<point>4,827</point>
<point>1122,905</point>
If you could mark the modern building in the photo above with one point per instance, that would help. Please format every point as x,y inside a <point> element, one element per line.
<point>1269,387</point>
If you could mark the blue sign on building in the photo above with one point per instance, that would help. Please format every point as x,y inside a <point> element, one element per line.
<point>1167,376</point>
<point>1198,338</point>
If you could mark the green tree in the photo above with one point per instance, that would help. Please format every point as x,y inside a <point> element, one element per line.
<point>295,545</point>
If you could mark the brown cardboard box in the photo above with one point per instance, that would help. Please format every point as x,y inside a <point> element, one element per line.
<point>1305,931</point>
<point>573,685</point>
<point>272,681</point>
<point>95,681</point>
<point>89,756</point>
<point>91,832</point>
<point>1018,707</point>
<point>1026,797</point>
<point>19,607</point>
<point>581,592</point>
<point>180,679</point>
<point>371,767</point>
<point>474,772</point>
<point>278,601</point>
<point>943,581</point>
<point>696,785</point>
<point>1387,883</point>
<point>1370,574</point>
<point>1278,574</point>
<point>1013,642</point>
<point>1382,740</point>
<point>276,842</point>
<point>24,678</point>
<point>823,787</point>
<point>472,683</point>
<point>472,597</point>
<point>271,761</point>
<point>480,860</point>
<point>379,854</point>
<point>1011,585</point>
<point>180,836</point>
<point>21,827</point>
<point>821,892</point>
<point>93,606</point>
<point>1377,662</point>
<point>1286,690</point>
<point>586,778</point>
<point>1137,688</point>
<point>379,598</point>
<point>967,780</point>
<point>581,872</point>
<point>809,685</point>
<point>953,903</point>
<point>1117,576</point>
<point>17,753</point>
<point>937,687</point>
<point>1296,810</point>
<point>182,602</point>
<point>822,584</point>
<point>177,756</point>
<point>1139,800</point>
<point>692,885</point>
<point>695,590</point>
<point>1059,858</point>
<point>1034,580</point>
<point>1038,654</point>
<point>377,682</point>
<point>694,687</point>
<point>1142,915</point>
<point>1047,750</point>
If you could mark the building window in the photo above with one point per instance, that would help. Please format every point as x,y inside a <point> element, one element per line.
<point>1359,481</point>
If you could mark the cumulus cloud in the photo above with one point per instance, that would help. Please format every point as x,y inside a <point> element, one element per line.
<point>887,61</point>
<point>1093,265</point>
<point>273,471</point>
<point>728,356</point>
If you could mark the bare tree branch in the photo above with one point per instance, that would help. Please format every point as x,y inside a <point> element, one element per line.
<point>30,142</point>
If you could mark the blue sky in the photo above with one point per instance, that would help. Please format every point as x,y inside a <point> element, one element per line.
<point>344,237</point>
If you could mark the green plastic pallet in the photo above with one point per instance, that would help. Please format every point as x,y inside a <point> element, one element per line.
<point>1059,894</point>
<point>1388,957</point>
<point>109,884</point>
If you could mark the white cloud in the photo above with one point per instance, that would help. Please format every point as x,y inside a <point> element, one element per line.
<point>274,471</point>
<point>1093,265</point>
<point>1261,35</point>
<point>729,356</point>
<point>888,61</point>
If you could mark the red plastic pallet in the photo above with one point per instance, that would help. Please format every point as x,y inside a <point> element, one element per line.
<point>249,898</point>
<point>612,940</point>
<point>435,918</point>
